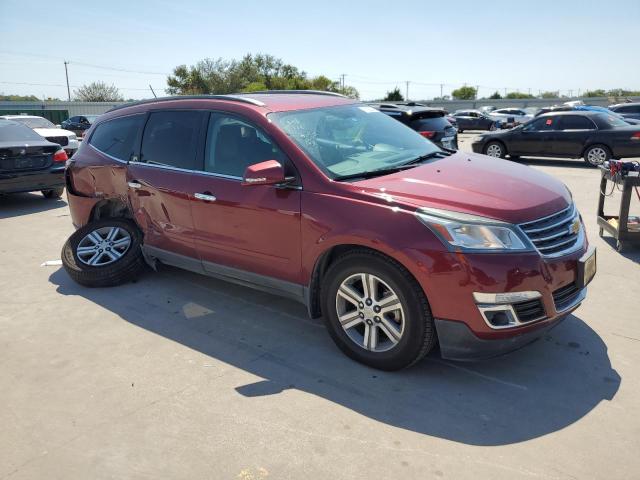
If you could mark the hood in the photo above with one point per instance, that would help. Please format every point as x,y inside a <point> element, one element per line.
<point>475,184</point>
<point>53,132</point>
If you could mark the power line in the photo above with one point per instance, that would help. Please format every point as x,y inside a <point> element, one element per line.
<point>63,85</point>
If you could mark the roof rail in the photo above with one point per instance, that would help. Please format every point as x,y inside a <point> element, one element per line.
<point>234,97</point>
<point>307,92</point>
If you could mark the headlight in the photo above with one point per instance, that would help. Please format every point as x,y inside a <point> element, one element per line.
<point>472,232</point>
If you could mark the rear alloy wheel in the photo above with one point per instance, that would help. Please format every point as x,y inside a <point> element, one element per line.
<point>104,253</point>
<point>375,311</point>
<point>596,155</point>
<point>53,193</point>
<point>494,149</point>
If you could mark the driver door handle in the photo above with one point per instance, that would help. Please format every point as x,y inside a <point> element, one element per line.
<point>206,196</point>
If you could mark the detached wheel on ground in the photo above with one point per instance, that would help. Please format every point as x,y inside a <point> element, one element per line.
<point>596,155</point>
<point>495,149</point>
<point>104,253</point>
<point>376,312</point>
<point>53,193</point>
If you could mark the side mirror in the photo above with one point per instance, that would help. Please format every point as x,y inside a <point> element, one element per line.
<point>269,172</point>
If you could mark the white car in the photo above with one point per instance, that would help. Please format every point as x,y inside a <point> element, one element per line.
<point>518,115</point>
<point>43,127</point>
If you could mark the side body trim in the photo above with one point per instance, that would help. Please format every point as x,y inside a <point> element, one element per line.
<point>230,274</point>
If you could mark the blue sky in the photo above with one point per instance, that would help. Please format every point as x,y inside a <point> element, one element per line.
<point>537,45</point>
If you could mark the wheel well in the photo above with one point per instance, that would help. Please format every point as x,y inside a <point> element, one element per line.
<point>110,208</point>
<point>322,265</point>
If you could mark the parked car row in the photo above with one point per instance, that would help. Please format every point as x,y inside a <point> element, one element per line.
<point>29,162</point>
<point>593,135</point>
<point>43,127</point>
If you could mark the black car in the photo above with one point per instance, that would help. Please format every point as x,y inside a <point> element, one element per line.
<point>476,120</point>
<point>28,162</point>
<point>429,122</point>
<point>79,123</point>
<point>627,110</point>
<point>595,136</point>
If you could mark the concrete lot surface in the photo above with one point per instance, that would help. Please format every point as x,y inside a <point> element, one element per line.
<point>182,376</point>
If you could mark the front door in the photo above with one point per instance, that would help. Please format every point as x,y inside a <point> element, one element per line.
<point>160,182</point>
<point>249,233</point>
<point>534,138</point>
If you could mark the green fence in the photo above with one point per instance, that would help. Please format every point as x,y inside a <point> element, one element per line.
<point>54,116</point>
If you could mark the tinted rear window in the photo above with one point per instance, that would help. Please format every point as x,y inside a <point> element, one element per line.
<point>171,138</point>
<point>433,124</point>
<point>10,131</point>
<point>575,122</point>
<point>117,137</point>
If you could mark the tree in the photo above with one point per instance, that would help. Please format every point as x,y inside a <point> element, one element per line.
<point>249,74</point>
<point>518,95</point>
<point>549,95</point>
<point>98,92</point>
<point>394,96</point>
<point>495,95</point>
<point>18,98</point>
<point>595,93</point>
<point>464,93</point>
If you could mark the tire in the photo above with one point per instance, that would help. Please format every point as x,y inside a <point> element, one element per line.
<point>596,155</point>
<point>412,323</point>
<point>104,272</point>
<point>495,149</point>
<point>53,193</point>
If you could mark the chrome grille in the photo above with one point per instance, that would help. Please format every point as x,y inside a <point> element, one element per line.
<point>555,234</point>
<point>565,296</point>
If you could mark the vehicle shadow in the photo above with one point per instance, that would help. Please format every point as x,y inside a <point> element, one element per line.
<point>555,162</point>
<point>527,394</point>
<point>630,251</point>
<point>17,204</point>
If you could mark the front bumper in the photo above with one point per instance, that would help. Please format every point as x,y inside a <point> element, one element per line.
<point>32,181</point>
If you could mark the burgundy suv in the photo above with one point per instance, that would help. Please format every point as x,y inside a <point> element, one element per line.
<point>396,243</point>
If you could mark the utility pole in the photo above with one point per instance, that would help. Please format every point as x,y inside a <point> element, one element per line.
<point>342,81</point>
<point>406,97</point>
<point>570,93</point>
<point>529,91</point>
<point>477,90</point>
<point>66,73</point>
<point>505,92</point>
<point>154,93</point>
<point>441,85</point>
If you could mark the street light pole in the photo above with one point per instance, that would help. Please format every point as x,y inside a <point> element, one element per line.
<point>66,73</point>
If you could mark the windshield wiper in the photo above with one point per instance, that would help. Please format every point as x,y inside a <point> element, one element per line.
<point>396,168</point>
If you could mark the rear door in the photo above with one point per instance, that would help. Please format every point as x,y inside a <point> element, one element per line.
<point>247,232</point>
<point>569,139</point>
<point>160,181</point>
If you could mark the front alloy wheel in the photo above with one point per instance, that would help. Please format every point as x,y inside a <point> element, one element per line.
<point>375,310</point>
<point>370,312</point>
<point>494,149</point>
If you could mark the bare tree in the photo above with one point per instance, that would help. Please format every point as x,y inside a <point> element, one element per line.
<point>98,92</point>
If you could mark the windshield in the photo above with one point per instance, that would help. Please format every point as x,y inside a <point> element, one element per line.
<point>91,118</point>
<point>10,131</point>
<point>34,122</point>
<point>352,139</point>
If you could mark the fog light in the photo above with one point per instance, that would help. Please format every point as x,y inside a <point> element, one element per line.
<point>498,319</point>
